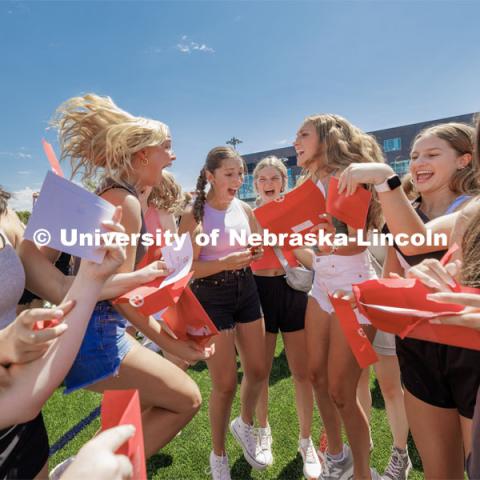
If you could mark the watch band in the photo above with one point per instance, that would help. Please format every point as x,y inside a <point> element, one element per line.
<point>391,183</point>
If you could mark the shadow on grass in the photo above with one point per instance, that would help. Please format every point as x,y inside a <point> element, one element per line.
<point>241,470</point>
<point>377,397</point>
<point>280,369</point>
<point>293,469</point>
<point>157,462</point>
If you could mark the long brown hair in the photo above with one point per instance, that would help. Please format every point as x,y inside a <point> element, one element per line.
<point>461,138</point>
<point>342,143</point>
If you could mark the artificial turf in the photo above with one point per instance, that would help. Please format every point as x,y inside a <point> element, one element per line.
<point>186,457</point>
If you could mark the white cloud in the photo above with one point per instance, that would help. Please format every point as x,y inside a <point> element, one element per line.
<point>24,172</point>
<point>282,142</point>
<point>19,155</point>
<point>22,199</point>
<point>186,46</point>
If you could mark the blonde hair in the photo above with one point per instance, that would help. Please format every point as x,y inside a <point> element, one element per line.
<point>341,144</point>
<point>408,188</point>
<point>275,162</point>
<point>96,134</point>
<point>167,195</point>
<point>461,138</point>
<point>214,160</point>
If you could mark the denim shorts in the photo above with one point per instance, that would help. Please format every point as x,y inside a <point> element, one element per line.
<point>103,348</point>
<point>229,297</point>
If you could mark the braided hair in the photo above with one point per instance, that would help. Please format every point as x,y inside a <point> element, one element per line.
<point>214,160</point>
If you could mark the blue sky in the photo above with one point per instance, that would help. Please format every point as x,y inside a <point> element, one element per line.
<point>215,69</point>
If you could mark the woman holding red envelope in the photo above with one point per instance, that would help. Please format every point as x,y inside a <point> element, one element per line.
<point>284,310</point>
<point>131,152</point>
<point>440,381</point>
<point>325,146</point>
<point>225,287</point>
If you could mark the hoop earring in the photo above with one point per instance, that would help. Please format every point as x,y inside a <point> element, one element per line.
<point>145,161</point>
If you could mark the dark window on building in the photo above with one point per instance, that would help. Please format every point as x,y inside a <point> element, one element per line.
<point>392,144</point>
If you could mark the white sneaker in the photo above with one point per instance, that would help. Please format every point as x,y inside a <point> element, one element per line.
<point>265,441</point>
<point>245,436</point>
<point>219,468</point>
<point>399,465</point>
<point>59,469</point>
<point>375,475</point>
<point>312,467</point>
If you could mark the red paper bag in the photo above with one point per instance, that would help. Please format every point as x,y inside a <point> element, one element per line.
<point>188,320</point>
<point>357,339</point>
<point>352,209</point>
<point>295,212</point>
<point>152,297</point>
<point>52,159</point>
<point>122,407</point>
<point>270,260</point>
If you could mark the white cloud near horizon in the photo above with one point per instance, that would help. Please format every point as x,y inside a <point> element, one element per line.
<point>22,199</point>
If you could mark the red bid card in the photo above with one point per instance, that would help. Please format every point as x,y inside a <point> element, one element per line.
<point>152,297</point>
<point>360,345</point>
<point>400,306</point>
<point>295,212</point>
<point>352,209</point>
<point>52,158</point>
<point>122,407</point>
<point>188,320</point>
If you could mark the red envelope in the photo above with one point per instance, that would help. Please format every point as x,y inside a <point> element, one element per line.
<point>411,294</point>
<point>52,158</point>
<point>41,324</point>
<point>352,209</point>
<point>361,347</point>
<point>295,212</point>
<point>122,407</point>
<point>152,297</point>
<point>188,320</point>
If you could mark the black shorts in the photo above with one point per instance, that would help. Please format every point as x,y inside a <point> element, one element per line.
<point>229,297</point>
<point>440,375</point>
<point>29,449</point>
<point>283,307</point>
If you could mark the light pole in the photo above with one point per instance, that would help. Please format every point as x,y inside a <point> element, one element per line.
<point>234,141</point>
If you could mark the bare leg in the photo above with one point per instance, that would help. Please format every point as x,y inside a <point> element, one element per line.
<point>295,348</point>
<point>262,405</point>
<point>169,397</point>
<point>344,375</point>
<point>438,438</point>
<point>250,341</point>
<point>364,394</point>
<point>388,375</point>
<point>466,426</point>
<point>223,373</point>
<point>317,331</point>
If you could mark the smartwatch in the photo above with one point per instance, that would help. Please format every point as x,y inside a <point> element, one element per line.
<point>391,183</point>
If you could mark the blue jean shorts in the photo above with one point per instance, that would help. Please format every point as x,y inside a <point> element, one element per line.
<point>103,348</point>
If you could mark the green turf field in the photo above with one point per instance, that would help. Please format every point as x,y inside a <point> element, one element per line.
<point>186,457</point>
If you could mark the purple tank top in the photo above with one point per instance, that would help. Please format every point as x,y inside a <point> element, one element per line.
<point>234,218</point>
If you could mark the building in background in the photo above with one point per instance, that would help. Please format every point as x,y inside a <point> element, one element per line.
<point>395,142</point>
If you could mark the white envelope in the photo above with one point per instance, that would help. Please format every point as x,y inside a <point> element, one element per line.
<point>65,205</point>
<point>178,259</point>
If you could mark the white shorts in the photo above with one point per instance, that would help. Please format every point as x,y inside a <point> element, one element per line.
<point>384,344</point>
<point>338,272</point>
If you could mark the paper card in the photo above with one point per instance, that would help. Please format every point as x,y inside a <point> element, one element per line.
<point>294,212</point>
<point>41,324</point>
<point>408,311</point>
<point>52,158</point>
<point>268,260</point>
<point>352,209</point>
<point>122,407</point>
<point>179,258</point>
<point>360,345</point>
<point>188,320</point>
<point>65,206</point>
